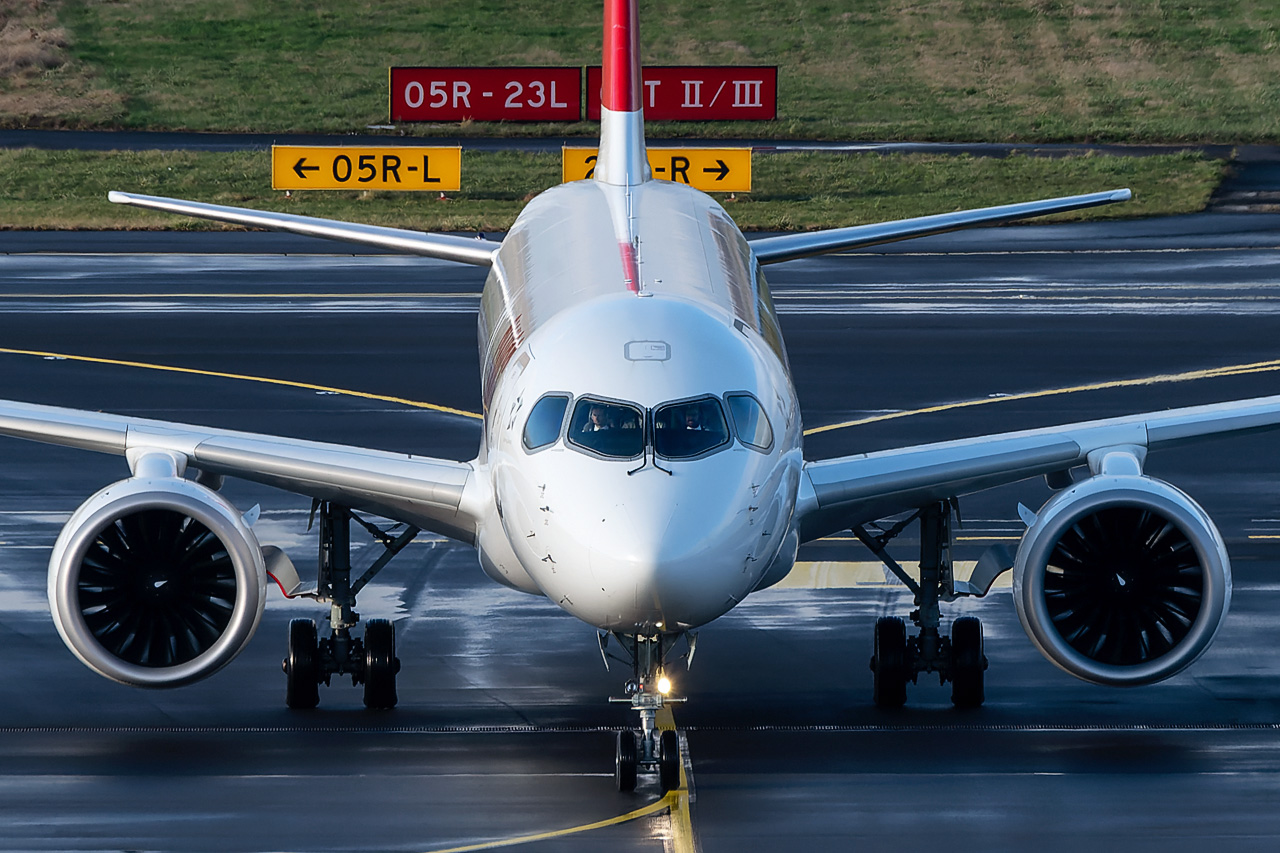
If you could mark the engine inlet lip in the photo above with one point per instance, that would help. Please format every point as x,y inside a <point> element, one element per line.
<point>1106,492</point>
<point>125,498</point>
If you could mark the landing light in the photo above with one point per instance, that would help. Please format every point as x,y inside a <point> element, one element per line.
<point>664,685</point>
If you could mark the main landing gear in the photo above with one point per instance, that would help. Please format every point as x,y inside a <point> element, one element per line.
<point>959,659</point>
<point>372,661</point>
<point>647,692</point>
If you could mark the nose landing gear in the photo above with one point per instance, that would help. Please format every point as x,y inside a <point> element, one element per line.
<point>648,693</point>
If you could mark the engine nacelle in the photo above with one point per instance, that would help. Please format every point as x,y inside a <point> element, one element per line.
<point>1122,580</point>
<point>156,582</point>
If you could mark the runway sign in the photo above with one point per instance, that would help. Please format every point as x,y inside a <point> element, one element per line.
<point>486,94</point>
<point>699,92</point>
<point>345,167</point>
<point>708,169</point>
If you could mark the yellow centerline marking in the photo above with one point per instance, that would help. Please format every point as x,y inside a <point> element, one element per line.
<point>1260,536</point>
<point>288,383</point>
<point>682,838</point>
<point>652,808</point>
<point>1189,376</point>
<point>676,802</point>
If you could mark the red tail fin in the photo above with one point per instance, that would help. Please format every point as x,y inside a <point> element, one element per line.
<point>622,158</point>
<point>621,77</point>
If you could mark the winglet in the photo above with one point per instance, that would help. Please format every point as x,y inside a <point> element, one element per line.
<point>622,159</point>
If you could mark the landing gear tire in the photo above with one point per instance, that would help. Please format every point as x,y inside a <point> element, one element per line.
<point>302,666</point>
<point>380,665</point>
<point>889,663</point>
<point>669,762</point>
<point>624,768</point>
<point>968,663</point>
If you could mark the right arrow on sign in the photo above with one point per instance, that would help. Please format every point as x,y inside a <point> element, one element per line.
<point>719,170</point>
<point>719,173</point>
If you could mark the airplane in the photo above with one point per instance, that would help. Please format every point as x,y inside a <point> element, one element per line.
<point>641,466</point>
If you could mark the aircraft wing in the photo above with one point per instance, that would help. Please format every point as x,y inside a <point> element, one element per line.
<point>838,493</point>
<point>449,247</point>
<point>788,247</point>
<point>417,490</point>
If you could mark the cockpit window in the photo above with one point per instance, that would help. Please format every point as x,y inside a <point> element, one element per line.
<point>610,429</point>
<point>682,430</point>
<point>543,426</point>
<point>750,421</point>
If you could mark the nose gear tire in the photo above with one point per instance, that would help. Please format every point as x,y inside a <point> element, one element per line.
<point>669,763</point>
<point>624,768</point>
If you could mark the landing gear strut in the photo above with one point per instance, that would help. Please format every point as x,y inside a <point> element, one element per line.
<point>371,661</point>
<point>647,692</point>
<point>959,659</point>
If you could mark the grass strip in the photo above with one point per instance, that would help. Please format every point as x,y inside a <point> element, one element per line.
<point>792,191</point>
<point>993,70</point>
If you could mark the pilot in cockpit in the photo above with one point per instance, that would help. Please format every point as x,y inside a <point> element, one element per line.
<point>597,420</point>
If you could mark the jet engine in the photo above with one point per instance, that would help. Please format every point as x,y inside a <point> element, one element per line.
<point>1122,580</point>
<point>156,582</point>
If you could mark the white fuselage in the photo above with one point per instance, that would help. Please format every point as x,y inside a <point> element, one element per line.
<point>647,527</point>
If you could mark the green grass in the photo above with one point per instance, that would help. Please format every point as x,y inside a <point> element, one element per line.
<point>67,189</point>
<point>1148,70</point>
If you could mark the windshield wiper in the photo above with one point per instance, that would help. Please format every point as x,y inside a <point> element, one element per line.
<point>648,447</point>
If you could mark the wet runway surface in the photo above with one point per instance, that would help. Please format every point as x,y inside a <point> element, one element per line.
<point>502,729</point>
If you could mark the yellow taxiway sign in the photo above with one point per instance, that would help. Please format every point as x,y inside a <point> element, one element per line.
<point>345,167</point>
<point>708,169</point>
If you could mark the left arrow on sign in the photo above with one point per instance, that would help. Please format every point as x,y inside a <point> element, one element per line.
<point>302,170</point>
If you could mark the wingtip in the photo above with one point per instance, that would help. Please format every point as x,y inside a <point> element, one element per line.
<point>1122,195</point>
<point>118,197</point>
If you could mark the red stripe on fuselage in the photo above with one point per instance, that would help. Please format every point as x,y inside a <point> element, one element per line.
<point>620,91</point>
<point>630,269</point>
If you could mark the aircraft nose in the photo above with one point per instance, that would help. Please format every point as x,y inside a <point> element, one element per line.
<point>628,551</point>
<point>672,559</point>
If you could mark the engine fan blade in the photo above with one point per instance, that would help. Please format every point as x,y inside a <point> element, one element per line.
<point>157,588</point>
<point>1123,586</point>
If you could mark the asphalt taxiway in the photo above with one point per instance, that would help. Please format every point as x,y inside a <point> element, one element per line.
<point>503,732</point>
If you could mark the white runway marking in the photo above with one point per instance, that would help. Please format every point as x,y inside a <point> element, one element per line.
<point>164,285</point>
